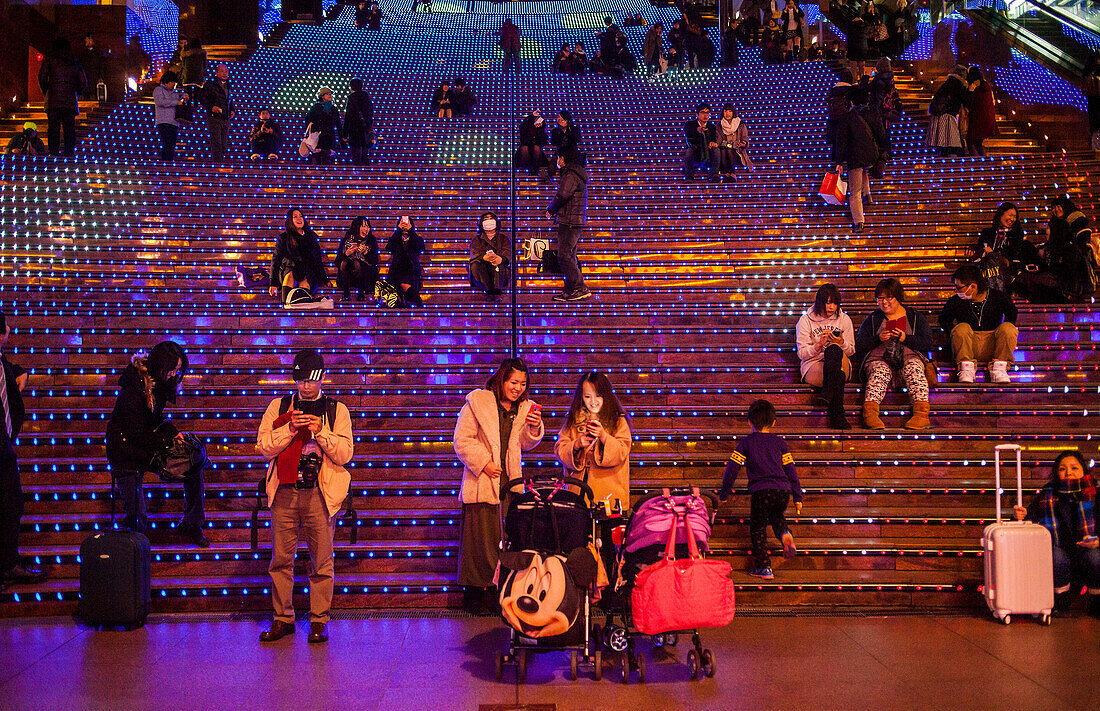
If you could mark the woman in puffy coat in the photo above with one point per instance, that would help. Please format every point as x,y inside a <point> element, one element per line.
<point>981,112</point>
<point>825,341</point>
<point>297,261</point>
<point>496,425</point>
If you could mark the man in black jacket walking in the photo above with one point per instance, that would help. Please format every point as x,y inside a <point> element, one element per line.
<point>568,206</point>
<point>62,81</point>
<point>12,381</point>
<point>359,123</point>
<point>218,100</point>
<point>702,139</point>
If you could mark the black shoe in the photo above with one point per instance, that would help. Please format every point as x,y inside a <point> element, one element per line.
<point>318,633</point>
<point>1093,605</point>
<point>1063,601</point>
<point>857,229</point>
<point>867,200</point>
<point>277,631</point>
<point>838,421</point>
<point>579,295</point>
<point>194,535</point>
<point>20,573</point>
<point>561,296</point>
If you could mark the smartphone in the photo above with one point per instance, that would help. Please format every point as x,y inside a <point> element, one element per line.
<point>837,333</point>
<point>536,409</point>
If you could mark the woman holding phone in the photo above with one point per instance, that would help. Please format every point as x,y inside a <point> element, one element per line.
<point>894,340</point>
<point>496,425</point>
<point>825,341</point>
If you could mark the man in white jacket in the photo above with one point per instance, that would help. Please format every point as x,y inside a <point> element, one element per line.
<point>307,439</point>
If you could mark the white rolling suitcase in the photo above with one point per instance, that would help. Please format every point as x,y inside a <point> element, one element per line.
<point>1019,567</point>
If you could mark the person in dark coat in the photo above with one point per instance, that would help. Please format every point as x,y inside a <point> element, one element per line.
<point>532,140</point>
<point>793,24</point>
<point>857,47</point>
<point>676,43</point>
<point>12,381</point>
<point>94,64</point>
<point>568,207</point>
<point>1002,251</point>
<point>702,140</point>
<point>1090,86</point>
<point>838,103</point>
<point>490,257</point>
<point>357,260</point>
<point>359,123</point>
<point>653,47</point>
<point>405,248</point>
<point>217,96</point>
<point>856,150</point>
<point>297,261</point>
<point>510,44</point>
<point>138,431</point>
<point>266,137</point>
<point>563,60</point>
<point>443,101</point>
<point>579,61</point>
<point>62,81</point>
<point>885,100</point>
<point>374,17</point>
<point>1063,273</point>
<point>612,43</point>
<point>981,112</point>
<point>944,130</point>
<point>138,61</point>
<point>193,64</point>
<point>324,118</point>
<point>565,137</point>
<point>462,98</point>
<point>27,142</point>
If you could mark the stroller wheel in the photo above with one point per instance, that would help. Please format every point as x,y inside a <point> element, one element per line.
<point>709,667</point>
<point>641,668</point>
<point>500,666</point>
<point>597,664</point>
<point>617,639</point>
<point>658,640</point>
<point>693,663</point>
<point>671,639</point>
<point>597,637</point>
<point>573,665</point>
<point>625,678</point>
<point>521,666</point>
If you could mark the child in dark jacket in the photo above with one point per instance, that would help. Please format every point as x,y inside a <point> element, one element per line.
<point>773,481</point>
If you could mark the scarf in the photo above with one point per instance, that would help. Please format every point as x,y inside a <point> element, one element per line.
<point>1081,494</point>
<point>286,464</point>
<point>730,128</point>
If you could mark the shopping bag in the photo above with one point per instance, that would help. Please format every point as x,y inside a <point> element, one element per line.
<point>833,189</point>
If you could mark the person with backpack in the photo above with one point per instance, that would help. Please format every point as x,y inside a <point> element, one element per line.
<point>838,103</point>
<point>857,150</point>
<point>27,142</point>
<point>306,437</point>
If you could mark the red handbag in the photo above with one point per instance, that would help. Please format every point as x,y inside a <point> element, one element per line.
<point>834,189</point>
<point>683,594</point>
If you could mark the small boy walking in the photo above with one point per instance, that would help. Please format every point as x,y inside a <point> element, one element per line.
<point>772,482</point>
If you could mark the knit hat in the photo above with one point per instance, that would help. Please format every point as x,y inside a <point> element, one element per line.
<point>325,90</point>
<point>308,365</point>
<point>31,125</point>
<point>960,71</point>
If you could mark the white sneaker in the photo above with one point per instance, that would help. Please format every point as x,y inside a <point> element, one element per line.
<point>998,371</point>
<point>967,370</point>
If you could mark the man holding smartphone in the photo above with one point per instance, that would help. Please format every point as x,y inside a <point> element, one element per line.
<point>307,439</point>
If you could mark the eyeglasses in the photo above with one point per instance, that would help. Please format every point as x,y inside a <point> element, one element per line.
<point>885,298</point>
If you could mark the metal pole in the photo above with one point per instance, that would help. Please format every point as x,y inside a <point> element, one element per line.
<point>515,232</point>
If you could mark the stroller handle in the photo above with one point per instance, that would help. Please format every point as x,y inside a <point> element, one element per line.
<point>586,490</point>
<point>710,496</point>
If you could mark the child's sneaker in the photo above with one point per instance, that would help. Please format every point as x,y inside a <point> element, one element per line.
<point>764,573</point>
<point>789,551</point>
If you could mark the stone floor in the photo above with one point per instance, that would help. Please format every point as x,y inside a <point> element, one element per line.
<point>447,662</point>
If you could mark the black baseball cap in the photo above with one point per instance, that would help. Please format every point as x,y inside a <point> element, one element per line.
<point>308,365</point>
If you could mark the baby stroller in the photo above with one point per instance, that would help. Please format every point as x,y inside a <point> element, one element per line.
<point>546,569</point>
<point>644,543</point>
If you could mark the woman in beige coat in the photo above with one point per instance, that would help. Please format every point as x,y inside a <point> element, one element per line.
<point>496,425</point>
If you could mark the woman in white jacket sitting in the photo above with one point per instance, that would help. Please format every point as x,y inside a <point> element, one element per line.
<point>826,340</point>
<point>496,425</point>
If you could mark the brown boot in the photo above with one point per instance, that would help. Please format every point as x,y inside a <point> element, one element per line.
<point>919,420</point>
<point>871,420</point>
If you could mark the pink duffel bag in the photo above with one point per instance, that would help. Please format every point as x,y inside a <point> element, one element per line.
<point>683,594</point>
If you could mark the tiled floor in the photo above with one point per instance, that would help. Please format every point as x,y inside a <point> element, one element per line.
<point>774,663</point>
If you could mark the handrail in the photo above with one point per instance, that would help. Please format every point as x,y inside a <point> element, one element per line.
<point>513,265</point>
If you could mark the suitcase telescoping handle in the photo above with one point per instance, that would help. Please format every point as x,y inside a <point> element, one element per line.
<point>1019,473</point>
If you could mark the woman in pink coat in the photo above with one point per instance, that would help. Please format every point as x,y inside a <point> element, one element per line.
<point>496,425</point>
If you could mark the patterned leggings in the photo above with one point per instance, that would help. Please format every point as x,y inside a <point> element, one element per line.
<point>766,506</point>
<point>880,375</point>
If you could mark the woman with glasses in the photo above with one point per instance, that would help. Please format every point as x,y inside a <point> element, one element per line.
<point>893,343</point>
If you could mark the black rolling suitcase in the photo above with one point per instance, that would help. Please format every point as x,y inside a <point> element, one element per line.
<point>115,580</point>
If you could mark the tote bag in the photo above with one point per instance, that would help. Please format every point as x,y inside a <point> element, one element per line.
<point>833,189</point>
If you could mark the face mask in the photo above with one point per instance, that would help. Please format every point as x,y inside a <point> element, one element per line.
<point>965,295</point>
<point>489,225</point>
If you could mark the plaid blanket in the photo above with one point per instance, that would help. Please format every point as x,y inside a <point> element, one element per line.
<point>1081,494</point>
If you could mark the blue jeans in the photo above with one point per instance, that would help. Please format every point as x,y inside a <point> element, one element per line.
<point>135,518</point>
<point>1073,559</point>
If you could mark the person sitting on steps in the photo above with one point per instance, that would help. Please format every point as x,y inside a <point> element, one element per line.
<point>405,248</point>
<point>981,323</point>
<point>298,261</point>
<point>825,341</point>
<point>894,340</point>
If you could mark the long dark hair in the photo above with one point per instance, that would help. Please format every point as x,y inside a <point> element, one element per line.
<point>825,294</point>
<point>490,213</point>
<point>290,229</point>
<point>353,231</point>
<point>504,371</point>
<point>1001,210</point>
<point>611,410</point>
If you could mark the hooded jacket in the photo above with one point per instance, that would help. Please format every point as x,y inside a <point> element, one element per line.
<point>359,119</point>
<point>854,145</point>
<point>809,331</point>
<point>337,448</point>
<point>138,429</point>
<point>572,197</point>
<point>477,442</point>
<point>302,251</point>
